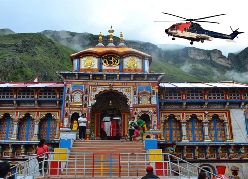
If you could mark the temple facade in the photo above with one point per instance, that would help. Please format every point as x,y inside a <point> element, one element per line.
<point>112,83</point>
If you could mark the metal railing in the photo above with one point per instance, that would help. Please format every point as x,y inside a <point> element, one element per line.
<point>109,165</point>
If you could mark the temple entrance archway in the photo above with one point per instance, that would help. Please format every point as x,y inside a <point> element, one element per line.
<point>110,113</point>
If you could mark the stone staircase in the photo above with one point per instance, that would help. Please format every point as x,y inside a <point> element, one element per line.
<point>106,158</point>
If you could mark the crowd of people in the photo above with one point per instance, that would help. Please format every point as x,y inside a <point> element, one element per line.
<point>136,129</point>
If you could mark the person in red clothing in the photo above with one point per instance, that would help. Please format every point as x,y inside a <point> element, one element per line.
<point>136,135</point>
<point>42,155</point>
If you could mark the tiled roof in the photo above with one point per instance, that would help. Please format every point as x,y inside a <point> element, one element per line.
<point>204,85</point>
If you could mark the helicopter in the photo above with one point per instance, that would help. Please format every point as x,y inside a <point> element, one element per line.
<point>194,32</point>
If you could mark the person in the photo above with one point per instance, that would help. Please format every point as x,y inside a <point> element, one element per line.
<point>149,173</point>
<point>42,155</point>
<point>131,125</point>
<point>103,134</point>
<point>82,121</point>
<point>136,135</point>
<point>4,169</point>
<point>141,123</point>
<point>202,175</point>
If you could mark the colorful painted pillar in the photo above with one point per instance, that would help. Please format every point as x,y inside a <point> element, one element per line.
<point>226,128</point>
<point>205,131</point>
<point>57,129</point>
<point>36,130</point>
<point>15,129</point>
<point>183,124</point>
<point>205,128</point>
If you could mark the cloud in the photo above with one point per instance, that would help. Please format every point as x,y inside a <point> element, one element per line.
<point>240,77</point>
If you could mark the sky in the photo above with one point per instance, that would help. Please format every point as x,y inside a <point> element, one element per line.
<point>134,18</point>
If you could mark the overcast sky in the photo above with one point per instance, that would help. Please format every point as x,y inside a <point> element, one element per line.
<point>135,18</point>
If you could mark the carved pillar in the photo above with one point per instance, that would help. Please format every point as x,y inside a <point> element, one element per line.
<point>57,129</point>
<point>205,131</point>
<point>36,130</point>
<point>227,131</point>
<point>15,130</point>
<point>183,125</point>
<point>205,127</point>
<point>184,137</point>
<point>226,128</point>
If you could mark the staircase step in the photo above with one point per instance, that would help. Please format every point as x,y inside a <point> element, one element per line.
<point>80,160</point>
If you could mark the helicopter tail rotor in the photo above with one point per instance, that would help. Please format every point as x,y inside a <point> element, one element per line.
<point>235,33</point>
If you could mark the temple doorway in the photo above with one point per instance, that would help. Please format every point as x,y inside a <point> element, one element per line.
<point>110,114</point>
<point>146,118</point>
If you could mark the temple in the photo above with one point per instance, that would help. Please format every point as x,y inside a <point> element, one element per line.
<point>112,83</point>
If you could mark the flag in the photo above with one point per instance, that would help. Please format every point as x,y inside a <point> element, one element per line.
<point>36,79</point>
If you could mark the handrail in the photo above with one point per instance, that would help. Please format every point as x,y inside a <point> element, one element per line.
<point>79,164</point>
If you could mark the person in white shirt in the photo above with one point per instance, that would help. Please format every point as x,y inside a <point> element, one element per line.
<point>82,121</point>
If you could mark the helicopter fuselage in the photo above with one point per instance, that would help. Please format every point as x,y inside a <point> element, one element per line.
<point>194,32</point>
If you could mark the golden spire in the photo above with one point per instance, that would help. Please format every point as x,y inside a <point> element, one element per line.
<point>100,37</point>
<point>100,40</point>
<point>111,31</point>
<point>121,38</point>
<point>121,44</point>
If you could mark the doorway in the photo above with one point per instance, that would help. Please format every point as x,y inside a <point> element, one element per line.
<point>110,114</point>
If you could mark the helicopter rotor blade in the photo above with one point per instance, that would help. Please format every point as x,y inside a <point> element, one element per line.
<point>208,22</point>
<point>173,15</point>
<point>166,21</point>
<point>209,17</point>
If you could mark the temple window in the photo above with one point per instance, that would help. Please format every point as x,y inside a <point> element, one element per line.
<point>61,94</point>
<point>172,130</point>
<point>77,97</point>
<point>25,94</point>
<point>246,95</point>
<point>153,92</point>
<point>195,95</point>
<point>134,92</point>
<point>6,94</point>
<point>173,95</point>
<point>234,95</point>
<point>216,95</point>
<point>144,99</point>
<point>216,129</point>
<point>194,129</point>
<point>47,94</point>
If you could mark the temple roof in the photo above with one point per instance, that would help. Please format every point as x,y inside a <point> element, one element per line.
<point>121,49</point>
<point>204,85</point>
<point>31,84</point>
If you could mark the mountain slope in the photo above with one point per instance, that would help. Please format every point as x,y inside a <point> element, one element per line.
<point>24,56</point>
<point>47,52</point>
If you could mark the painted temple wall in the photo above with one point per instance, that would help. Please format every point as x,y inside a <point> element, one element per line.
<point>238,125</point>
<point>243,168</point>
